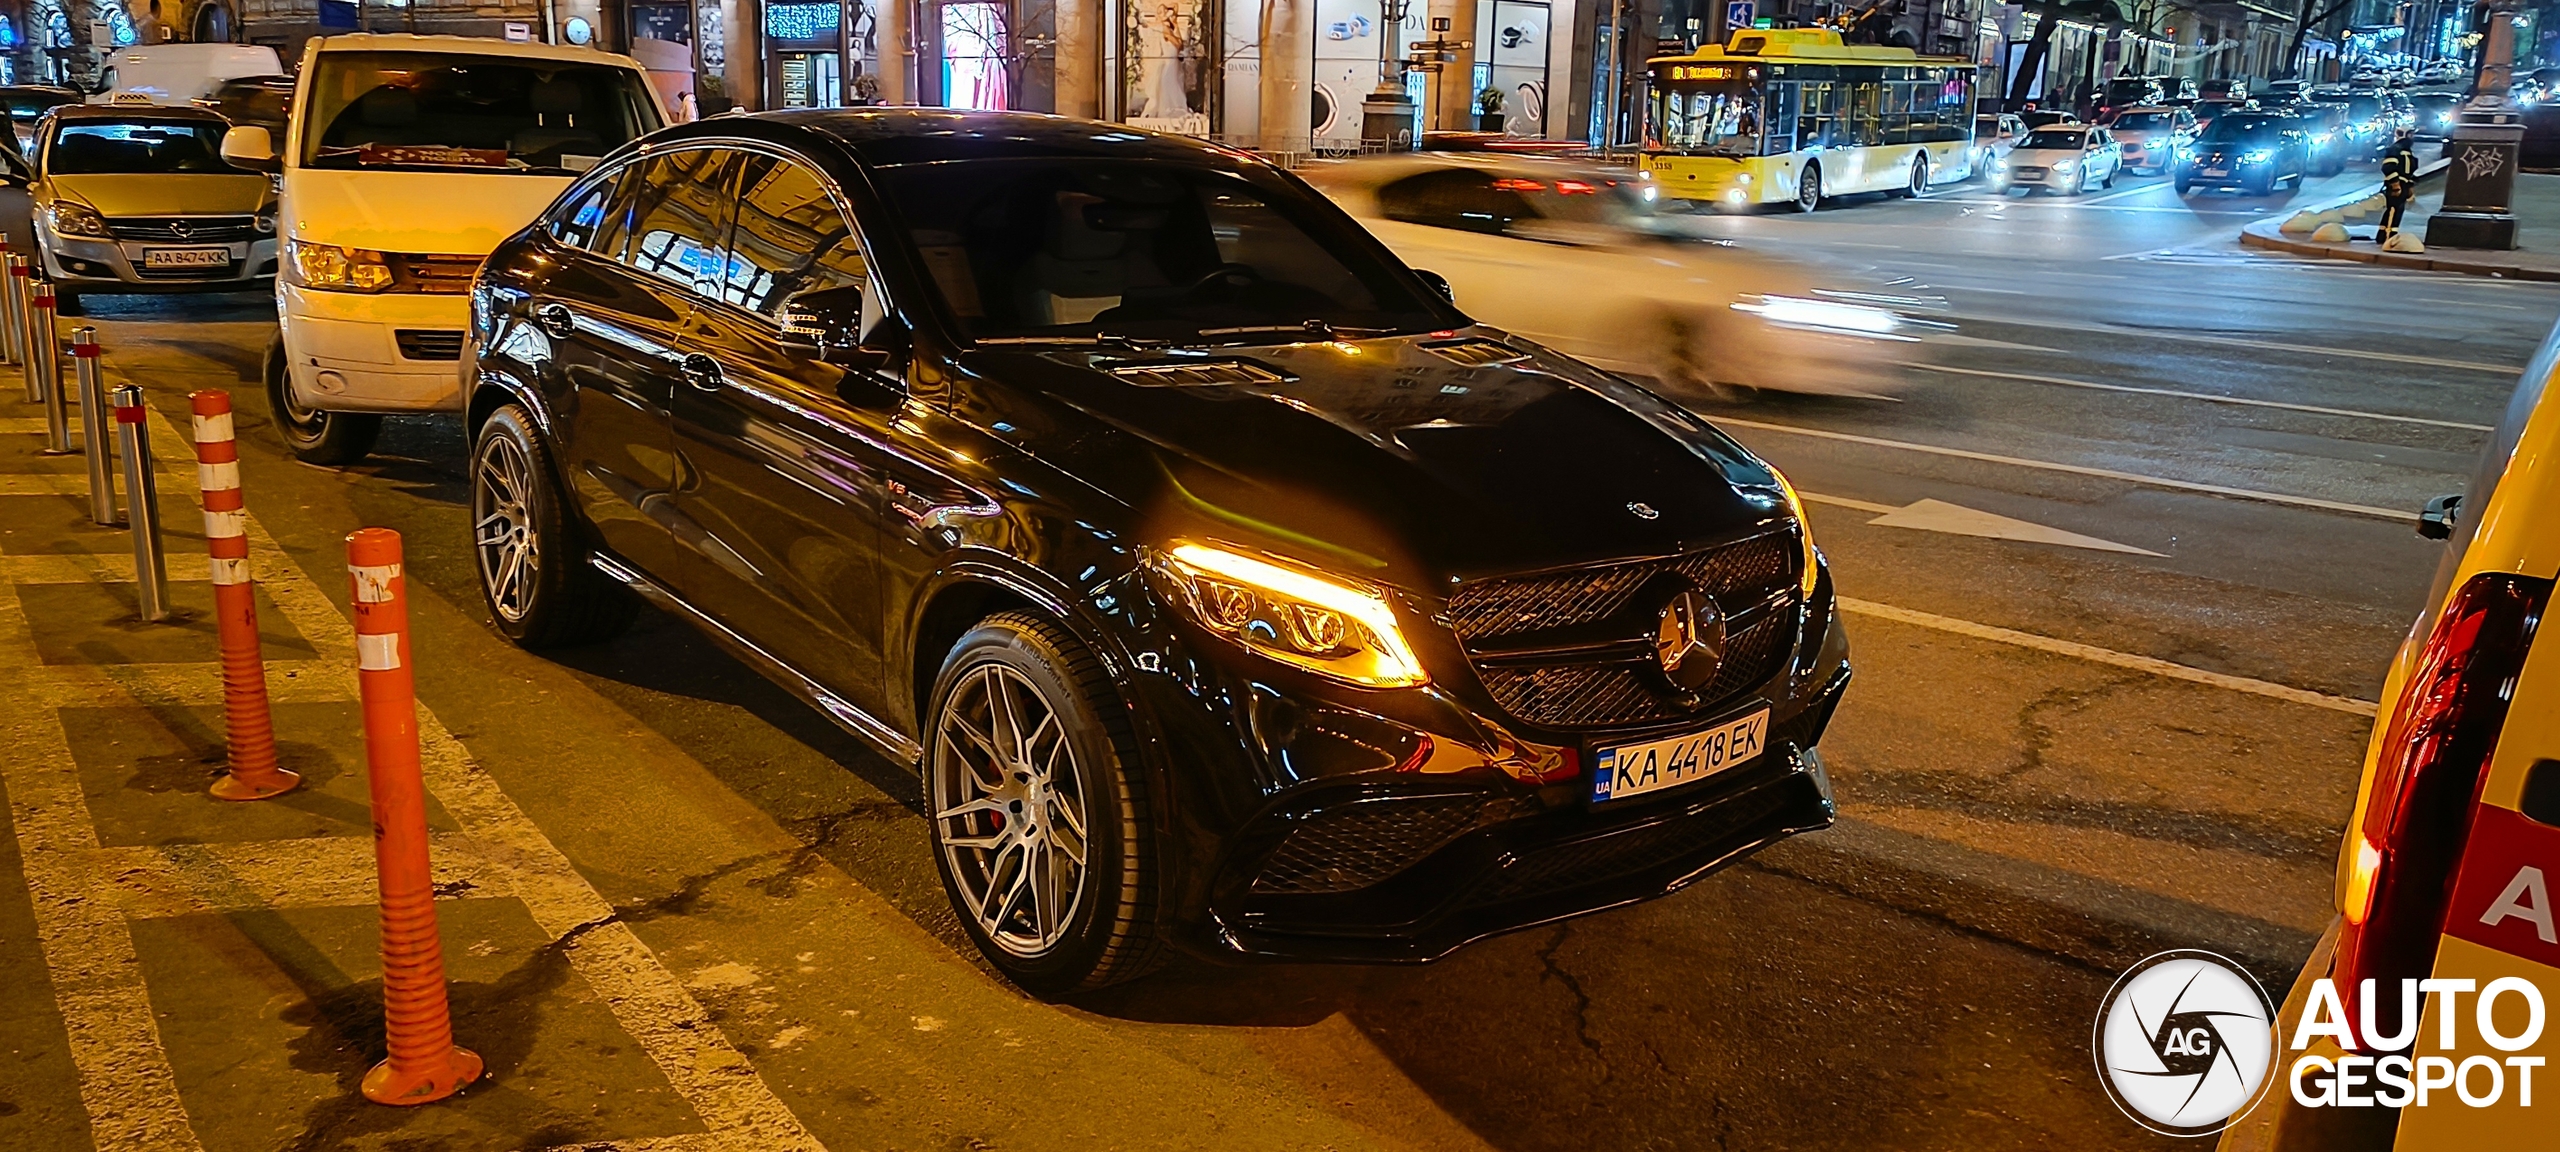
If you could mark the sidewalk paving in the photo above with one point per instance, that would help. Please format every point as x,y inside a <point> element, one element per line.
<point>2536,206</point>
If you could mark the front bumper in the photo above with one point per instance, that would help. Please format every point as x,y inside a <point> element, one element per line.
<point>387,352</point>
<point>2028,176</point>
<point>88,264</point>
<point>2238,175</point>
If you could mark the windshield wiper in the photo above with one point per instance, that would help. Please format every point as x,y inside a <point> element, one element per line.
<point>1317,328</point>
<point>1098,339</point>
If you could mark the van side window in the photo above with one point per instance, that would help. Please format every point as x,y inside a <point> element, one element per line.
<point>789,239</point>
<point>679,207</point>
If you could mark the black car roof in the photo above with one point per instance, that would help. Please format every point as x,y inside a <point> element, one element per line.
<point>885,136</point>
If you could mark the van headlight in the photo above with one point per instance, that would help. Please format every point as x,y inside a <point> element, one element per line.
<point>1325,624</point>
<point>69,219</point>
<point>335,269</point>
<point>1823,315</point>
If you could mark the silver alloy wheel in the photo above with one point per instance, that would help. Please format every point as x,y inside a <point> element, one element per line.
<point>1009,800</point>
<point>502,527</point>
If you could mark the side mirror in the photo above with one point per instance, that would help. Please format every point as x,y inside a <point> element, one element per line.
<point>2441,516</point>
<point>1438,283</point>
<point>250,146</point>
<point>827,325</point>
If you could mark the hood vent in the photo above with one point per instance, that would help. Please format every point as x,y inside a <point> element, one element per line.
<point>1196,374</point>
<point>1476,353</point>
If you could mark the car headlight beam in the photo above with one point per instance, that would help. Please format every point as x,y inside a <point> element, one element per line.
<point>1824,315</point>
<point>1324,624</point>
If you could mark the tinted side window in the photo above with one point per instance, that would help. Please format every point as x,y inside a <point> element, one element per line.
<point>591,218</point>
<point>789,238</point>
<point>1469,201</point>
<point>678,208</point>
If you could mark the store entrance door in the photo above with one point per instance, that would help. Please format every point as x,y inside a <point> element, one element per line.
<point>807,80</point>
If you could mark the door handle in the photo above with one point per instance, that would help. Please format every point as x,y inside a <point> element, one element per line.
<point>701,371</point>
<point>555,320</point>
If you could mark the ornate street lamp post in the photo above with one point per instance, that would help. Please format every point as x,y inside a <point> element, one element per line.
<point>2480,181</point>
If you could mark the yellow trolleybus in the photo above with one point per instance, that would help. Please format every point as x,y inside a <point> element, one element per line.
<point>1789,116</point>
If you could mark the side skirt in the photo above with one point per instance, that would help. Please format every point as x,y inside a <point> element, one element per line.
<point>874,731</point>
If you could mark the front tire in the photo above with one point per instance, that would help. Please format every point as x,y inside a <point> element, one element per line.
<point>1039,811</point>
<point>315,436</point>
<point>534,575</point>
<point>1809,188</point>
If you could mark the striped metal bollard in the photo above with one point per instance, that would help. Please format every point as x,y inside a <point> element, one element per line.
<point>13,307</point>
<point>44,368</point>
<point>22,297</point>
<point>142,495</point>
<point>97,442</point>
<point>424,1064</point>
<point>248,725</point>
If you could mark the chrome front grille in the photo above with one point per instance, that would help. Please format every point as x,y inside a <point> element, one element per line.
<point>184,229</point>
<point>433,274</point>
<point>1572,650</point>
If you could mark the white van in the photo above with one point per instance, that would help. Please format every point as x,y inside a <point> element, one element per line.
<point>407,159</point>
<point>179,73</point>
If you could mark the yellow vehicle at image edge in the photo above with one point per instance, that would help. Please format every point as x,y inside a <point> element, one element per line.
<point>1790,116</point>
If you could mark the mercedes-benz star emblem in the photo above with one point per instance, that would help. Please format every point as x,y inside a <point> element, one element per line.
<point>1689,641</point>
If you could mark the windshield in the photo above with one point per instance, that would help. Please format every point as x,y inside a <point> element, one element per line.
<point>2241,130</point>
<point>1715,121</point>
<point>30,105</point>
<point>2126,91</point>
<point>2063,138</point>
<point>90,147</point>
<point>2144,121</point>
<point>1118,250</point>
<point>430,110</point>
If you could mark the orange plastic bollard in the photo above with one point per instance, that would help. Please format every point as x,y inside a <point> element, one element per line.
<point>249,728</point>
<point>424,1065</point>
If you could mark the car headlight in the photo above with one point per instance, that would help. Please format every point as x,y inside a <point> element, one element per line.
<point>1325,624</point>
<point>2065,165</point>
<point>1823,315</point>
<point>71,219</point>
<point>330,267</point>
<point>2259,156</point>
<point>1812,573</point>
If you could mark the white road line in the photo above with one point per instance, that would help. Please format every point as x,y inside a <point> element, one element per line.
<point>1845,502</point>
<point>2205,396</point>
<point>2081,470</point>
<point>2236,342</point>
<point>2109,656</point>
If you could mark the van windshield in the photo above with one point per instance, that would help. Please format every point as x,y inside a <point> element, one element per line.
<point>462,111</point>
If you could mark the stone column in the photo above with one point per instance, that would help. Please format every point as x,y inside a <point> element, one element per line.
<point>897,51</point>
<point>1079,59</point>
<point>1456,96</point>
<point>1288,61</point>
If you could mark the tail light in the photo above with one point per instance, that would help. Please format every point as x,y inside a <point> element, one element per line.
<point>2443,729</point>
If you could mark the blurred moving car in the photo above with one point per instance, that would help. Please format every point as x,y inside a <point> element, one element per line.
<point>2252,151</point>
<point>405,160</point>
<point>2445,869</point>
<point>1994,134</point>
<point>2324,127</point>
<point>265,101</point>
<point>178,73</point>
<point>1213,575</point>
<point>1576,259</point>
<point>139,199</point>
<point>2148,137</point>
<point>2064,159</point>
<point>26,104</point>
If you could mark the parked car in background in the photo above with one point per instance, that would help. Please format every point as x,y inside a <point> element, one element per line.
<point>1045,454</point>
<point>265,101</point>
<point>2065,159</point>
<point>138,199</point>
<point>1657,299</point>
<point>406,159</point>
<point>179,73</point>
<point>2250,151</point>
<point>2148,138</point>
<point>26,104</point>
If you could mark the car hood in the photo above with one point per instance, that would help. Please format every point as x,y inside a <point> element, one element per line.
<point>2045,156</point>
<point>456,213</point>
<point>1385,458</point>
<point>177,194</point>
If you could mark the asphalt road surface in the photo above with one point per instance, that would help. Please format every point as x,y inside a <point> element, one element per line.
<point>2125,565</point>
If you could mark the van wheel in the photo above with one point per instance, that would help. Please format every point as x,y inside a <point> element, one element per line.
<point>1809,188</point>
<point>315,436</point>
<point>1038,809</point>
